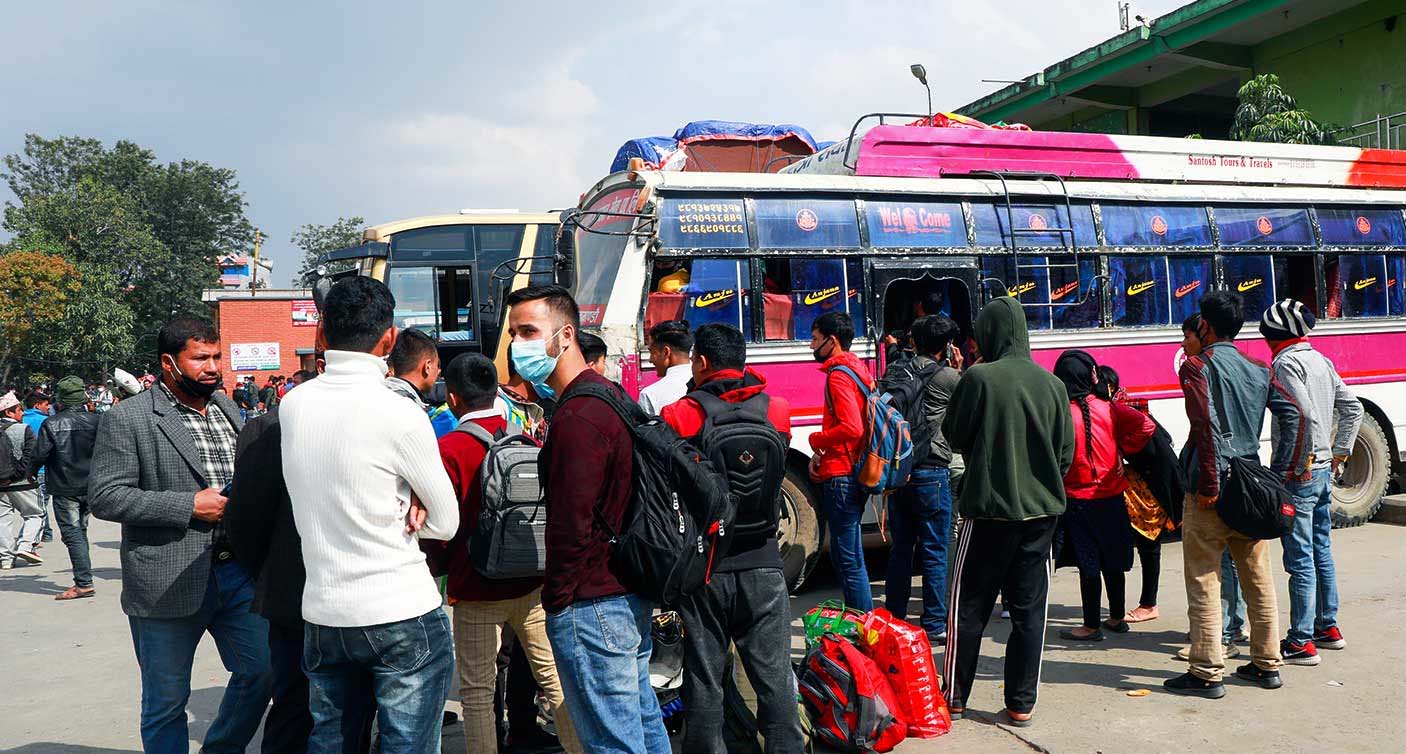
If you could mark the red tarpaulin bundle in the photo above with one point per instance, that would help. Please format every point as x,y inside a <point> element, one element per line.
<point>902,652</point>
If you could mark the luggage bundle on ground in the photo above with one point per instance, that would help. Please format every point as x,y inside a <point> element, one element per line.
<point>868,691</point>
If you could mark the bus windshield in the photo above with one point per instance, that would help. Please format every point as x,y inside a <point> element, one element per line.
<point>600,245</point>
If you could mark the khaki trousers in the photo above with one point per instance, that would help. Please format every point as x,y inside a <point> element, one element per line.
<point>476,642</point>
<point>1204,537</point>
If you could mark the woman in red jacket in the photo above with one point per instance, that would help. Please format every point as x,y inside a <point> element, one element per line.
<point>1097,516</point>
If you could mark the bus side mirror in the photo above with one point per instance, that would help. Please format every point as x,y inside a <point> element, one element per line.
<point>565,262</point>
<point>319,291</point>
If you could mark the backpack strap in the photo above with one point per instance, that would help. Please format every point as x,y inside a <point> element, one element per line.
<point>629,412</point>
<point>472,429</point>
<point>853,375</point>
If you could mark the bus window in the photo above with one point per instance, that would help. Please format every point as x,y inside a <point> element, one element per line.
<point>800,290</point>
<point>911,225</point>
<point>437,244</point>
<point>991,230</point>
<point>1188,279</point>
<point>1396,278</point>
<point>414,291</point>
<point>1361,227</point>
<point>456,303</point>
<point>718,293</point>
<point>1363,281</point>
<point>703,222</point>
<point>807,224</point>
<point>1252,276</point>
<point>1140,291</point>
<point>598,254</point>
<point>1149,225</point>
<point>1078,300</point>
<point>497,247</point>
<point>1264,226</point>
<point>1294,277</point>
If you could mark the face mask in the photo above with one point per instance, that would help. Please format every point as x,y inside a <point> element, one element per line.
<point>531,361</point>
<point>194,387</point>
<point>544,390</point>
<point>819,353</point>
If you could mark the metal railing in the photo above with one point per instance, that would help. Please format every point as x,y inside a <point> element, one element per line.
<point>1382,132</point>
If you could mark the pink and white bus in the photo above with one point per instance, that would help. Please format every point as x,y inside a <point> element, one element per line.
<point>1110,247</point>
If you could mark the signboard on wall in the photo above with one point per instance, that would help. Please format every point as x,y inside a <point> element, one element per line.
<point>305,314</point>
<point>254,357</point>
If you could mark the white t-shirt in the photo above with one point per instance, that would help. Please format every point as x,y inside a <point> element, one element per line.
<point>670,388</point>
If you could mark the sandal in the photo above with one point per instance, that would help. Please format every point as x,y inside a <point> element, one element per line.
<point>75,593</point>
<point>955,713</point>
<point>1117,627</point>
<point>1142,614</point>
<point>1068,633</point>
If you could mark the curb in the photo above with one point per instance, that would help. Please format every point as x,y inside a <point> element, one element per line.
<point>1393,510</point>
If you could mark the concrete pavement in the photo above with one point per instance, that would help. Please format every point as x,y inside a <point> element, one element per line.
<point>72,685</point>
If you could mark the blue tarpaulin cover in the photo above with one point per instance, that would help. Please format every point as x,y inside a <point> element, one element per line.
<point>656,149</point>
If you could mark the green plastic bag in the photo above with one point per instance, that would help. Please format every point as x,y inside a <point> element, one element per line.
<point>831,617</point>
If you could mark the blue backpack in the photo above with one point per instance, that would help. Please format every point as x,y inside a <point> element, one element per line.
<point>888,456</point>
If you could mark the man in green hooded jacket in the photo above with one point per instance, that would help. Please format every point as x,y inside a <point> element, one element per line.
<point>1009,418</point>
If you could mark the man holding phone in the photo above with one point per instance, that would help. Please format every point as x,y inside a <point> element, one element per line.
<point>159,465</point>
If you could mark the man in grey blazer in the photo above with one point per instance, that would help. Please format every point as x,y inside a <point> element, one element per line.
<point>160,463</point>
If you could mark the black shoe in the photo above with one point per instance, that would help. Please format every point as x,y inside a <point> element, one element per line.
<point>1069,635</point>
<point>1119,626</point>
<point>1187,684</point>
<point>1265,679</point>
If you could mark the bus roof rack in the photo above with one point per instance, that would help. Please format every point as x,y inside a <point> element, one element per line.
<point>922,151</point>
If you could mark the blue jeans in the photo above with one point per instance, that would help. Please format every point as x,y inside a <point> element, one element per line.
<point>409,665</point>
<point>920,515</point>
<point>602,648</point>
<point>72,515</point>
<point>844,509</point>
<point>166,651</point>
<point>1308,559</point>
<point>1232,602</point>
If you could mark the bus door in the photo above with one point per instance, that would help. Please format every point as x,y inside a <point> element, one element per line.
<point>905,288</point>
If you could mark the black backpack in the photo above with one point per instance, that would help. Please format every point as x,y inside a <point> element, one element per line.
<point>680,512</point>
<point>738,439</point>
<point>508,541</point>
<point>905,383</point>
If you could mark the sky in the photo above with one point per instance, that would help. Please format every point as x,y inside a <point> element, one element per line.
<point>393,110</point>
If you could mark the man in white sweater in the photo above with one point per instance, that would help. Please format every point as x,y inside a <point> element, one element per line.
<point>355,455</point>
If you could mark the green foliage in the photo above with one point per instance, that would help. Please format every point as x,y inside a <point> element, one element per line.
<point>145,236</point>
<point>1268,113</point>
<point>316,240</point>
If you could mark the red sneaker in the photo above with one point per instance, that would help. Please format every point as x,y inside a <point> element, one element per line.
<point>1298,654</point>
<point>1329,638</point>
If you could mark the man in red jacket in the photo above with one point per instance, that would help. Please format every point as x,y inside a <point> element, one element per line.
<point>746,603</point>
<point>482,605</point>
<point>599,630</point>
<point>838,447</point>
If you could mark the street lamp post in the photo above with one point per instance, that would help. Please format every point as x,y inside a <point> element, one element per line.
<point>921,74</point>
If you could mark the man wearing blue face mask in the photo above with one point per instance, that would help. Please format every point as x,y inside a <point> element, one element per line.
<point>599,631</point>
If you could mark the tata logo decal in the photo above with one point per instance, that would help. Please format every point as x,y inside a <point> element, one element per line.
<point>1248,284</point>
<point>815,297</point>
<point>1159,225</point>
<point>806,220</point>
<point>1360,284</point>
<point>1064,291</point>
<point>1038,222</point>
<point>1142,287</point>
<point>716,297</point>
<point>1264,226</point>
<point>1189,287</point>
<point>1364,226</point>
<point>1023,288</point>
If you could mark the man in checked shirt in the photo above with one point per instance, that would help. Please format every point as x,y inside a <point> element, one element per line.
<point>160,464</point>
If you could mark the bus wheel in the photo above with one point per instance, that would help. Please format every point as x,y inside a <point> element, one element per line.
<point>1358,491</point>
<point>800,533</point>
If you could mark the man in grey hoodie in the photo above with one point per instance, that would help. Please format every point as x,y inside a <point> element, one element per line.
<point>1334,415</point>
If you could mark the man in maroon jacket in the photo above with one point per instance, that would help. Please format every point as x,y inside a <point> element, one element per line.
<point>482,605</point>
<point>600,632</point>
<point>746,603</point>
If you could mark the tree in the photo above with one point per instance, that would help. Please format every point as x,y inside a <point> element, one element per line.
<point>316,240</point>
<point>1267,113</point>
<point>34,292</point>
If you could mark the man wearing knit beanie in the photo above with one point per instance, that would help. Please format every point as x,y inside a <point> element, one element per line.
<point>65,448</point>
<point>1334,415</point>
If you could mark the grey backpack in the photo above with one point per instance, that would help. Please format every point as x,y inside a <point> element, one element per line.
<point>509,539</point>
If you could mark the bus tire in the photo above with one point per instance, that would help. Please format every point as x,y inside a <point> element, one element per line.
<point>802,531</point>
<point>1364,478</point>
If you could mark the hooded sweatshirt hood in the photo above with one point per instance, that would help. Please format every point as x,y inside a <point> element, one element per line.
<point>1001,331</point>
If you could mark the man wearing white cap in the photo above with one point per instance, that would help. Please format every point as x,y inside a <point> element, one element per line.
<point>1334,415</point>
<point>19,490</point>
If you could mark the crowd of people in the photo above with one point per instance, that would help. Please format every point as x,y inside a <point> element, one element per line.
<point>316,528</point>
